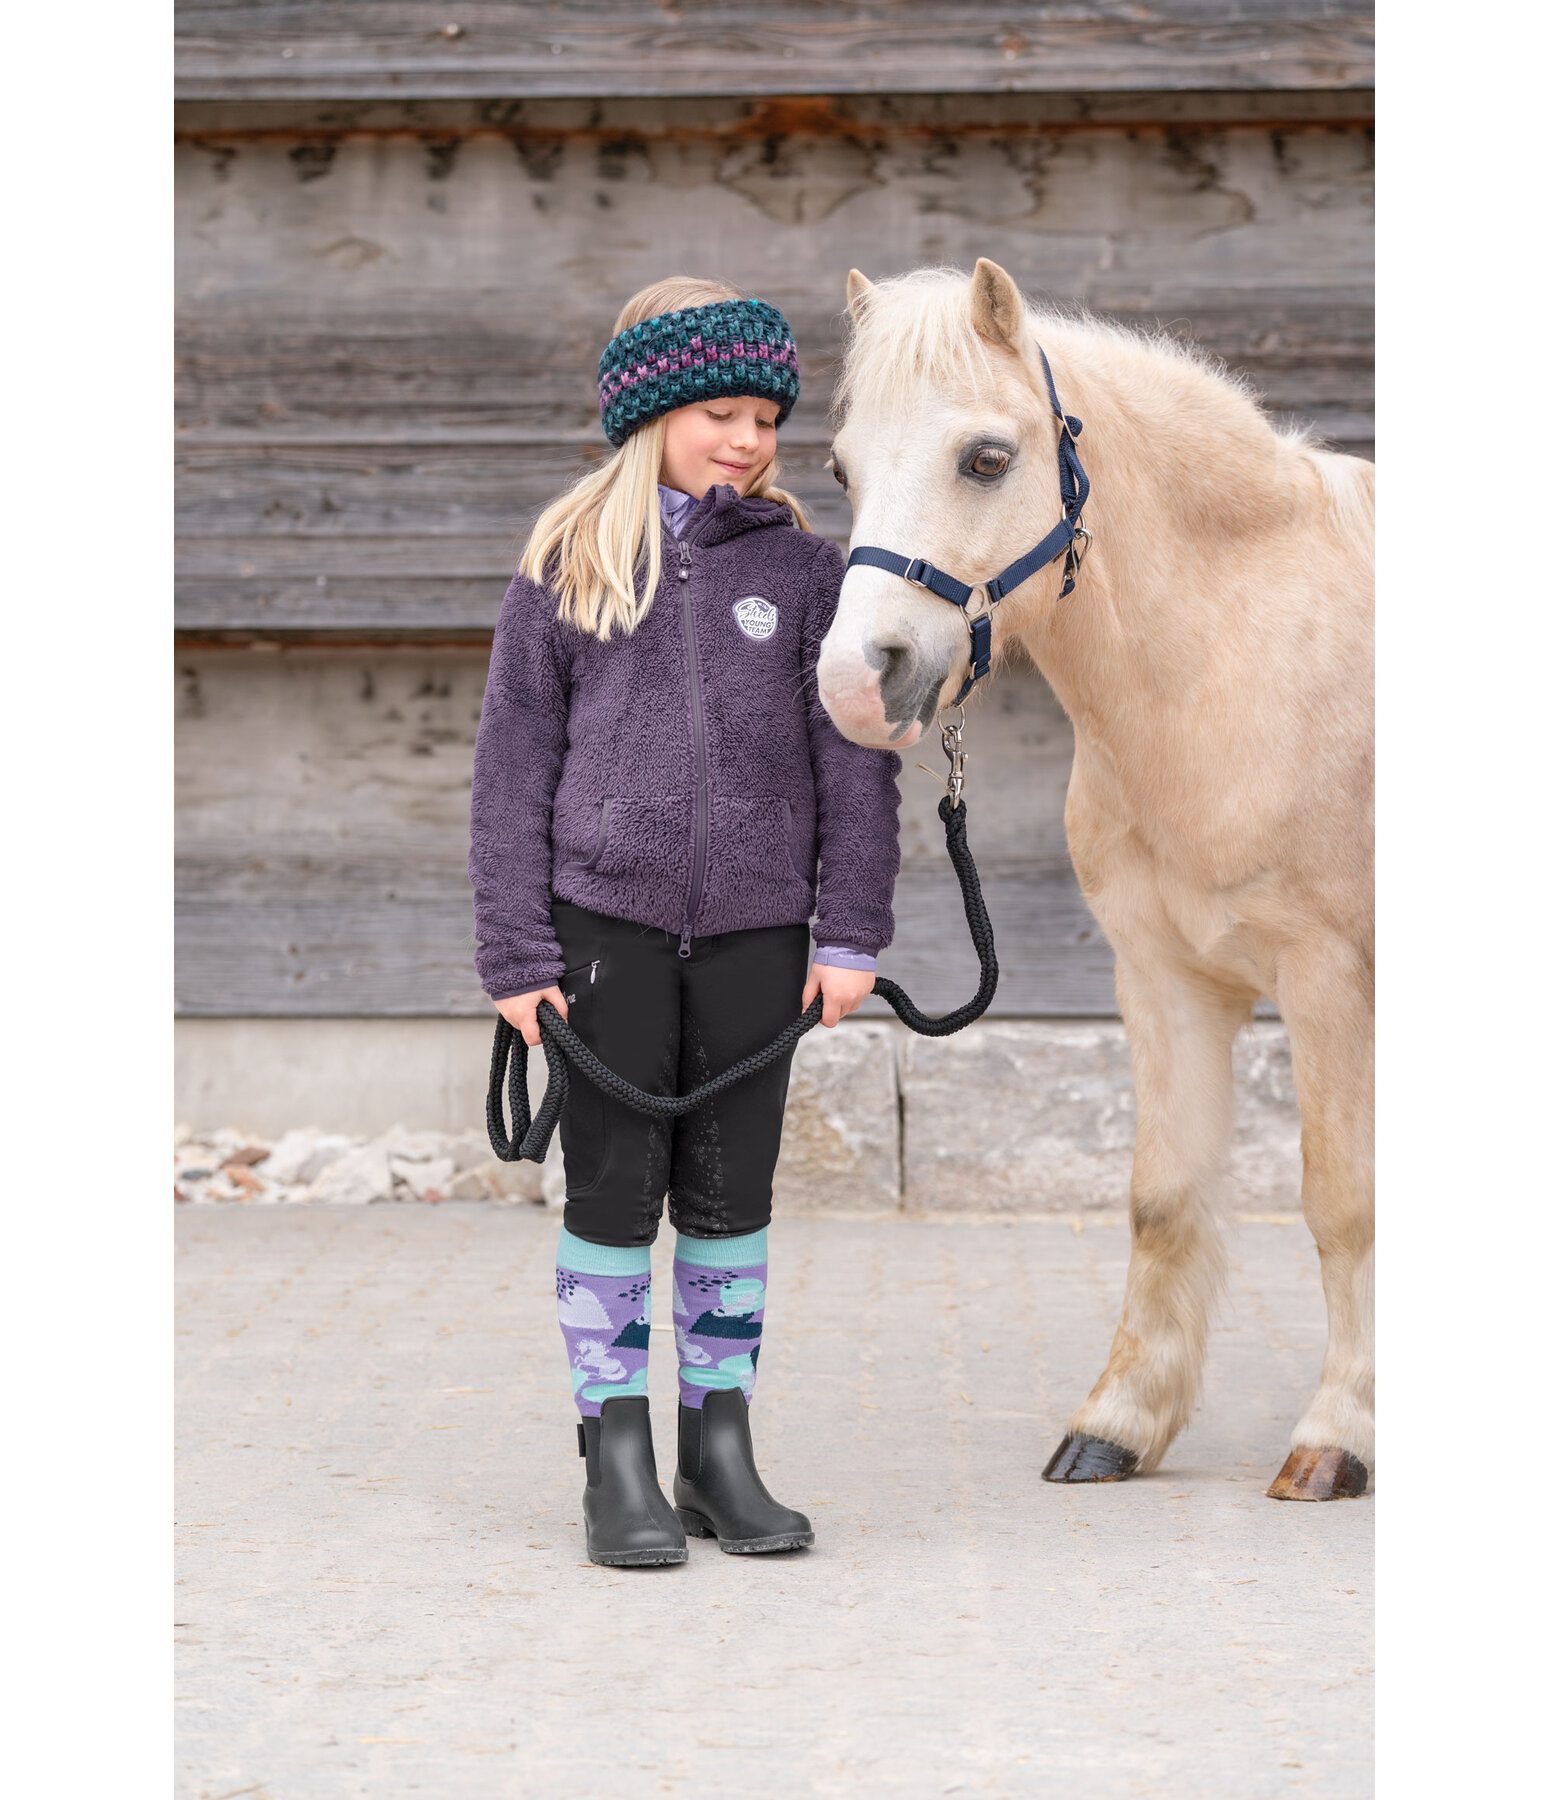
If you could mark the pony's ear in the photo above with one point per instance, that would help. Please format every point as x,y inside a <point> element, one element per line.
<point>995,306</point>
<point>857,287</point>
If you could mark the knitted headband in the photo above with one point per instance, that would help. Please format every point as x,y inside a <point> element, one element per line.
<point>723,350</point>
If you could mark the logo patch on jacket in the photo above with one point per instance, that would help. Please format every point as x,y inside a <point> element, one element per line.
<point>756,617</point>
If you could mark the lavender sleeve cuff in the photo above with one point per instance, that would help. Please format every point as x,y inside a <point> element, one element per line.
<point>832,956</point>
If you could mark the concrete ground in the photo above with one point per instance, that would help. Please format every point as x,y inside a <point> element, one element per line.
<point>383,1589</point>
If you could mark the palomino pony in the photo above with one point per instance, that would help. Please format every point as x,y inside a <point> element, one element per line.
<point>1215,659</point>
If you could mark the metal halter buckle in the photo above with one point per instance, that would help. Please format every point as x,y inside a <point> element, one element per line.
<point>957,756</point>
<point>1079,530</point>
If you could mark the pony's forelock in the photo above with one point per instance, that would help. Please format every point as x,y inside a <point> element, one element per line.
<point>916,324</point>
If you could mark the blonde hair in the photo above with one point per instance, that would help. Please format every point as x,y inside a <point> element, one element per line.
<point>604,533</point>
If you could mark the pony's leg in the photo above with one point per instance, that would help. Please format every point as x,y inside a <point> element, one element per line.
<point>1327,1005</point>
<point>1181,1032</point>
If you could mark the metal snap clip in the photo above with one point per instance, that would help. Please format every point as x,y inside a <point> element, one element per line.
<point>957,756</point>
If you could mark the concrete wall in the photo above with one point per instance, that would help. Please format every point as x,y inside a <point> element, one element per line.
<point>1011,1116</point>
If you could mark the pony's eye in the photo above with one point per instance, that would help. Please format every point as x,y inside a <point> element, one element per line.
<point>990,463</point>
<point>839,475</point>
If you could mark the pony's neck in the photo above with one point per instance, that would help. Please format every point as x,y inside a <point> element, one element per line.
<point>1184,468</point>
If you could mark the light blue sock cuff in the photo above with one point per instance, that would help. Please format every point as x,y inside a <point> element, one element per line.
<point>723,1253</point>
<point>582,1258</point>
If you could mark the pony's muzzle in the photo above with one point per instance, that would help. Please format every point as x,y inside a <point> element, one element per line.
<point>886,659</point>
<point>910,680</point>
<point>879,691</point>
<point>852,695</point>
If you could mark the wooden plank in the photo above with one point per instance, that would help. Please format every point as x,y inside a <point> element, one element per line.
<point>479,235</point>
<point>328,754</point>
<point>366,48</point>
<point>307,537</point>
<point>380,382</point>
<point>763,116</point>
<point>322,827</point>
<point>273,936</point>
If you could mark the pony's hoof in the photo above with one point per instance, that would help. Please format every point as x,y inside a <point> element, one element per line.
<point>1319,1475</point>
<point>1083,1458</point>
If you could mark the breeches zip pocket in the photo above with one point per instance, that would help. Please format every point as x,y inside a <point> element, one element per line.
<point>577,984</point>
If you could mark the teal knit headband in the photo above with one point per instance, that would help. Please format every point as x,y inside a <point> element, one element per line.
<point>729,348</point>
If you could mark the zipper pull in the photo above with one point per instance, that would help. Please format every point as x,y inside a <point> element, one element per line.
<point>683,562</point>
<point>683,942</point>
<point>592,978</point>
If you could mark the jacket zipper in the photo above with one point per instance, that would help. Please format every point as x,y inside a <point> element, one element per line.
<point>701,771</point>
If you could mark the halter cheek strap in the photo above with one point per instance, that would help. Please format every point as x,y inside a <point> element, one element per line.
<point>1074,490</point>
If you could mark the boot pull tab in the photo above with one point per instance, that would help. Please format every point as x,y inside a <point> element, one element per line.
<point>581,1438</point>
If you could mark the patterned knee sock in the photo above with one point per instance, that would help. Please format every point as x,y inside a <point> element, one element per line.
<point>718,1312</point>
<point>605,1313</point>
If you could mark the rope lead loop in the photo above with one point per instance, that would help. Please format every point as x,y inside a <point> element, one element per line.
<point>528,1140</point>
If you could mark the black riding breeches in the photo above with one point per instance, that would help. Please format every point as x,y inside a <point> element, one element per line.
<point>668,1023</point>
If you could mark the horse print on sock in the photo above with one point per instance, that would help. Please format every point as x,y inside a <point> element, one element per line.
<point>718,1320</point>
<point>606,1320</point>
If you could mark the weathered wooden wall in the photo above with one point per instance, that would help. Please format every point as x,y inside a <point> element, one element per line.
<point>388,341</point>
<point>249,48</point>
<point>389,316</point>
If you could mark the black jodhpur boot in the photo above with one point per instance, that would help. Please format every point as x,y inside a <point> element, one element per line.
<point>629,1521</point>
<point>717,1489</point>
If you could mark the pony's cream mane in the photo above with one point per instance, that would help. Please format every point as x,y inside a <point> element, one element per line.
<point>918,326</point>
<point>1350,484</point>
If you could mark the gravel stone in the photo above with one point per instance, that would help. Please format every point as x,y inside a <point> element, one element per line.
<point>423,1179</point>
<point>357,1178</point>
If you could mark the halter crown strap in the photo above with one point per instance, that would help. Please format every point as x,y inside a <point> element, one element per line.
<point>1074,489</point>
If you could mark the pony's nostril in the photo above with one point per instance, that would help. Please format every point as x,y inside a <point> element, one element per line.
<point>895,665</point>
<point>904,678</point>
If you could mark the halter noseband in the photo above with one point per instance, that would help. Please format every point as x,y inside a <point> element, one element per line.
<point>1074,489</point>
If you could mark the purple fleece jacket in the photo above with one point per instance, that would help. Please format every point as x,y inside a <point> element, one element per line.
<point>685,775</point>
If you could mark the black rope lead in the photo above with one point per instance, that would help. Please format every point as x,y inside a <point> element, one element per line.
<point>531,1132</point>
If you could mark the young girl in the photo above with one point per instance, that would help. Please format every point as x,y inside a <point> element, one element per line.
<point>659,805</point>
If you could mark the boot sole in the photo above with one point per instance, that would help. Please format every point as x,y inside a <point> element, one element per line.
<point>636,1559</point>
<point>697,1525</point>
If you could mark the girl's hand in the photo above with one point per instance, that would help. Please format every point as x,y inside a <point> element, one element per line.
<point>521,1011</point>
<point>843,990</point>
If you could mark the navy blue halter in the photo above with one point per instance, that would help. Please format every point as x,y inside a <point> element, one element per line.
<point>1074,489</point>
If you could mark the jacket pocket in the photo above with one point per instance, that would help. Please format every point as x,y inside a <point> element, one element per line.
<point>588,857</point>
<point>645,839</point>
<point>791,843</point>
<point>754,847</point>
